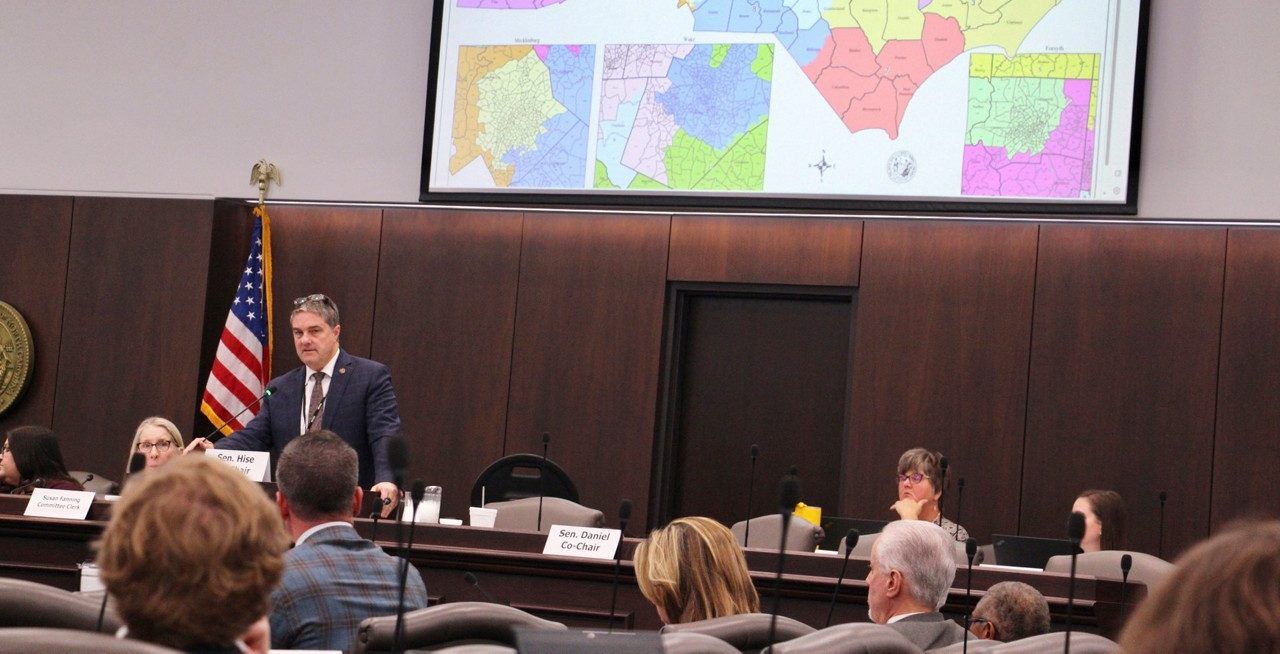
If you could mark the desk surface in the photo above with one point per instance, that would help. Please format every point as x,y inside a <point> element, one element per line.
<point>512,569</point>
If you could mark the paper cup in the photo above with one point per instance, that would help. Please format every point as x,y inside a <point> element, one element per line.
<point>482,517</point>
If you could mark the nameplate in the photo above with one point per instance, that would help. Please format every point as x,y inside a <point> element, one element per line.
<point>253,465</point>
<point>582,542</point>
<point>65,504</point>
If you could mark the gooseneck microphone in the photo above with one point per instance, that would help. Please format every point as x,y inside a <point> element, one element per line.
<point>1126,563</point>
<point>374,515</point>
<point>751,486</point>
<point>624,515</point>
<point>137,462</point>
<point>415,495</point>
<point>850,539</point>
<point>970,553</point>
<point>942,474</point>
<point>217,431</point>
<point>542,476</point>
<point>1164,497</point>
<point>788,496</point>
<point>471,578</point>
<point>959,505</point>
<point>1075,532</point>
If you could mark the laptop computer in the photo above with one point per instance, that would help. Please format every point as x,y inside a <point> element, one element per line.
<point>834,528</point>
<point>1028,551</point>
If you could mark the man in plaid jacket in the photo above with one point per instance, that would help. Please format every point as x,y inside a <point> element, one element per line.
<point>333,578</point>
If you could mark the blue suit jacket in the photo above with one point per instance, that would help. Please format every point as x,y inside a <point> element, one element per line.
<point>360,407</point>
<point>333,581</point>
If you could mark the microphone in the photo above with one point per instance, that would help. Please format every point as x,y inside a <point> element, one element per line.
<point>217,431</point>
<point>751,485</point>
<point>1164,496</point>
<point>942,474</point>
<point>374,515</point>
<point>475,581</point>
<point>102,610</point>
<point>415,495</point>
<point>959,505</point>
<point>542,476</point>
<point>31,485</point>
<point>788,496</point>
<point>1126,563</point>
<point>624,515</point>
<point>850,539</point>
<point>970,553</point>
<point>1075,532</point>
<point>315,413</point>
<point>136,463</point>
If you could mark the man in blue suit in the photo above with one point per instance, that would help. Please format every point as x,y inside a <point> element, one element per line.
<point>333,579</point>
<point>333,390</point>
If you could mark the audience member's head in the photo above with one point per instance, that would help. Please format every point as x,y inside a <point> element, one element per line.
<point>1011,610</point>
<point>158,439</point>
<point>318,480</point>
<point>693,569</point>
<point>912,566</point>
<point>32,459</point>
<point>1223,596</point>
<point>922,479</point>
<point>191,554</point>
<point>1103,520</point>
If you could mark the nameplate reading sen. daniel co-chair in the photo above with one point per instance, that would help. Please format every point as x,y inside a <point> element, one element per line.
<point>582,542</point>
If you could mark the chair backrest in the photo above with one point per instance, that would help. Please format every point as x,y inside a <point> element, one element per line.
<point>72,641</point>
<point>477,649</point>
<point>975,646</point>
<point>28,604</point>
<point>849,638</point>
<point>1081,643</point>
<point>522,475</point>
<point>522,514</point>
<point>802,535</point>
<point>747,632</point>
<point>456,623</point>
<point>95,483</point>
<point>1146,569</point>
<point>690,642</point>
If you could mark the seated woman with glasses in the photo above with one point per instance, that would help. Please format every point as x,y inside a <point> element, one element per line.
<point>921,484</point>
<point>31,459</point>
<point>158,439</point>
<point>693,569</point>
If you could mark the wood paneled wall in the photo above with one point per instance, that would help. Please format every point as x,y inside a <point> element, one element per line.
<point>1039,358</point>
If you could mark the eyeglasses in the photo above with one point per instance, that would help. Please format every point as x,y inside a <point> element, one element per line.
<point>161,447</point>
<point>314,297</point>
<point>915,477</point>
<point>974,621</point>
<point>6,449</point>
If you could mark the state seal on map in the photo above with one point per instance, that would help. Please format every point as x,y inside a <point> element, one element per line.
<point>901,167</point>
<point>17,356</point>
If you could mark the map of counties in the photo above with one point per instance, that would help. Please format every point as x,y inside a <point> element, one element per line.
<point>868,57</point>
<point>1031,125</point>
<point>506,4</point>
<point>523,110</point>
<point>684,116</point>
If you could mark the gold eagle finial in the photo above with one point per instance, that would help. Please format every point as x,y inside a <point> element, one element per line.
<point>262,174</point>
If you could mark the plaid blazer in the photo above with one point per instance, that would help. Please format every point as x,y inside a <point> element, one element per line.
<point>332,582</point>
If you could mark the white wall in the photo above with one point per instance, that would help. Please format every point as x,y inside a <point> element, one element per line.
<point>167,98</point>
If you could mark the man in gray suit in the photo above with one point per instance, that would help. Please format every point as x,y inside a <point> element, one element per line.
<point>912,566</point>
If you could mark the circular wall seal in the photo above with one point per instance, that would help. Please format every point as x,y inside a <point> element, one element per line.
<point>17,356</point>
<point>901,166</point>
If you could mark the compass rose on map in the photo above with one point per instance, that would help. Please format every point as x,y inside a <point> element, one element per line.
<point>822,165</point>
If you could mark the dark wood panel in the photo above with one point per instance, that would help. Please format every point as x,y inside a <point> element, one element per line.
<point>940,361</point>
<point>446,313</point>
<point>1246,448</point>
<point>330,250</point>
<point>764,250</point>
<point>33,277</point>
<point>132,325</point>
<point>1124,362</point>
<point>587,345</point>
<point>767,369</point>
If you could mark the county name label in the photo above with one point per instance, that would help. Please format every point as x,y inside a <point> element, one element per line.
<point>252,464</point>
<point>65,504</point>
<point>583,542</point>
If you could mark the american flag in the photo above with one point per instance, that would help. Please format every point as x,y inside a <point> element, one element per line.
<point>242,365</point>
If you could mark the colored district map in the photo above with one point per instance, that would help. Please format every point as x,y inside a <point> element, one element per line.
<point>523,110</point>
<point>1031,125</point>
<point>868,57</point>
<point>684,116</point>
<point>506,4</point>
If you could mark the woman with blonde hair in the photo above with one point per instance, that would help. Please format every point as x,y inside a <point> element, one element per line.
<point>692,569</point>
<point>157,439</point>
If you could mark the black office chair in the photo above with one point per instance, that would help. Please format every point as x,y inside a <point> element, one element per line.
<point>521,475</point>
<point>95,483</point>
